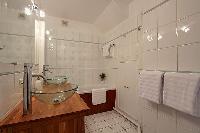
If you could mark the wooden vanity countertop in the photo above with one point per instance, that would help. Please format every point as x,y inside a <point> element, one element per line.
<point>40,110</point>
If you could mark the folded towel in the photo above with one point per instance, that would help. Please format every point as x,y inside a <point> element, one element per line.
<point>98,96</point>
<point>182,92</point>
<point>151,85</point>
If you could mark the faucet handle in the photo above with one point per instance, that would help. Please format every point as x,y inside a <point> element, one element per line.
<point>21,82</point>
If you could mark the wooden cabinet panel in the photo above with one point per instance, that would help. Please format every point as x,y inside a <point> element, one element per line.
<point>20,128</point>
<point>73,124</point>
<point>108,106</point>
<point>61,118</point>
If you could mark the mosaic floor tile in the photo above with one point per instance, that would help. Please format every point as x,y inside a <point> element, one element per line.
<point>108,122</point>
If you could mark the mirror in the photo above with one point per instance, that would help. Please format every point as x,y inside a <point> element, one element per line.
<point>17,33</point>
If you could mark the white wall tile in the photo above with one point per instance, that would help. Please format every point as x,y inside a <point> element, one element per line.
<point>149,114</point>
<point>187,7</point>
<point>51,52</point>
<point>187,123</point>
<point>189,29</point>
<point>17,48</point>
<point>167,13</point>
<point>166,120</point>
<point>132,45</point>
<point>150,40</point>
<point>167,35</point>
<point>150,20</point>
<point>146,5</point>
<point>150,60</point>
<point>60,53</point>
<point>11,23</point>
<point>149,129</point>
<point>7,92</point>
<point>18,86</point>
<point>6,67</point>
<point>95,38</point>
<point>189,58</point>
<point>69,35</point>
<point>76,36</point>
<point>85,37</point>
<point>167,59</point>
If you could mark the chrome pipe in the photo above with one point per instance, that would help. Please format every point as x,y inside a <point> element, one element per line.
<point>27,89</point>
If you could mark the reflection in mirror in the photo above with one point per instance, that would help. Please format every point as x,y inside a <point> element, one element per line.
<point>19,44</point>
<point>17,32</point>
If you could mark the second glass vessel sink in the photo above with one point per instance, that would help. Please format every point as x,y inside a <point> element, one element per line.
<point>57,80</point>
<point>55,93</point>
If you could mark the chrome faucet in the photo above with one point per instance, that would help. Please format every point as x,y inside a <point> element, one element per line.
<point>40,76</point>
<point>46,69</point>
<point>27,87</point>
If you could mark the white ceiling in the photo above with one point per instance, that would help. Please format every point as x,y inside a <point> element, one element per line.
<point>81,10</point>
<point>116,12</point>
<point>102,13</point>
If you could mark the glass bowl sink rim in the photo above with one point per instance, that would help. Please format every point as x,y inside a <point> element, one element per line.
<point>74,88</point>
<point>57,80</point>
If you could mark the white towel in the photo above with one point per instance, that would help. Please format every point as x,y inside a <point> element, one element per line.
<point>150,85</point>
<point>98,96</point>
<point>106,50</point>
<point>112,51</point>
<point>182,92</point>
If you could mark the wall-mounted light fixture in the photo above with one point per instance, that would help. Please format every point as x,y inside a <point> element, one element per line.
<point>65,23</point>
<point>34,9</point>
<point>185,28</point>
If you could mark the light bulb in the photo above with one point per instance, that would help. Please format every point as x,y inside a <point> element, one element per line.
<point>27,11</point>
<point>42,13</point>
<point>185,28</point>
<point>160,36</point>
<point>47,32</point>
<point>149,38</point>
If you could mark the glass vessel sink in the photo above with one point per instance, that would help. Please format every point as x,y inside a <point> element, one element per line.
<point>55,93</point>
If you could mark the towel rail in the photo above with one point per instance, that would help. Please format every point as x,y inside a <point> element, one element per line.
<point>13,72</point>
<point>124,34</point>
<point>170,71</point>
<point>9,73</point>
<point>83,68</point>
<point>19,35</point>
<point>155,7</point>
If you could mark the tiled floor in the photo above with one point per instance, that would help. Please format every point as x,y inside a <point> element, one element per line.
<point>108,122</point>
